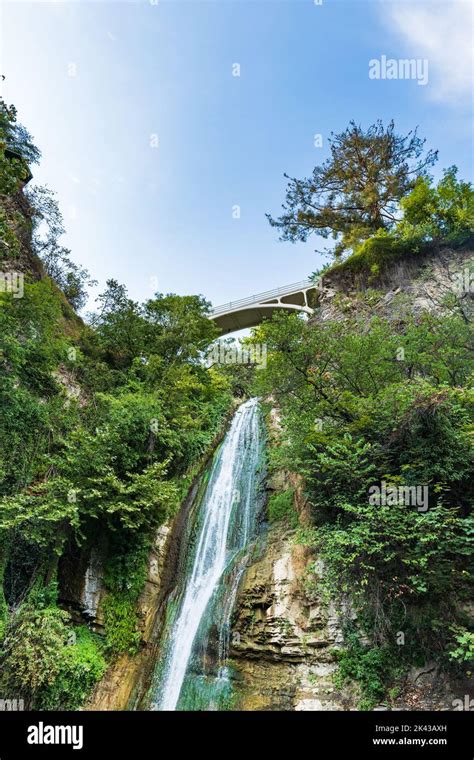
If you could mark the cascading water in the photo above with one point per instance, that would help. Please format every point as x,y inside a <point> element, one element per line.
<point>225,524</point>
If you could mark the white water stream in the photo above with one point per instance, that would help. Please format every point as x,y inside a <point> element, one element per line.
<point>227,518</point>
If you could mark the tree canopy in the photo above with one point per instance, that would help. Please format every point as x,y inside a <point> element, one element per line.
<point>357,191</point>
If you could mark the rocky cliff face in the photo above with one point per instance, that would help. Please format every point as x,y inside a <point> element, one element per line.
<point>283,641</point>
<point>126,674</point>
<point>421,283</point>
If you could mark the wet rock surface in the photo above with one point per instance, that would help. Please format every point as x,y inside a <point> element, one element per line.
<point>283,643</point>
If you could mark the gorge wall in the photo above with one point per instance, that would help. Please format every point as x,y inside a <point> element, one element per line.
<point>415,284</point>
<point>284,638</point>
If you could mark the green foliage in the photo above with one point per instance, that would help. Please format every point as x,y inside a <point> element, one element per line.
<point>15,136</point>
<point>16,153</point>
<point>125,577</point>
<point>82,665</point>
<point>113,460</point>
<point>444,212</point>
<point>115,464</point>
<point>374,197</point>
<point>463,651</point>
<point>121,624</point>
<point>142,501</point>
<point>228,354</point>
<point>373,669</point>
<point>30,347</point>
<point>45,661</point>
<point>4,553</point>
<point>392,551</point>
<point>29,655</point>
<point>281,507</point>
<point>47,229</point>
<point>371,255</point>
<point>166,330</point>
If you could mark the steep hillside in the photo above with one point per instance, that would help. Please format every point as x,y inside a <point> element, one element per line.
<point>103,429</point>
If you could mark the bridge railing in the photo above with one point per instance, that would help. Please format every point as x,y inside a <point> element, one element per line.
<point>265,296</point>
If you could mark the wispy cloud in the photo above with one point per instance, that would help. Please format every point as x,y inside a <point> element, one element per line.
<point>442,33</point>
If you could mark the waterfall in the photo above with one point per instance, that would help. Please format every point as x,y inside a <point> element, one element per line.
<point>225,523</point>
<point>93,580</point>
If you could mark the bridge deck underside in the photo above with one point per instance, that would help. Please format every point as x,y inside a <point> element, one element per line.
<point>251,316</point>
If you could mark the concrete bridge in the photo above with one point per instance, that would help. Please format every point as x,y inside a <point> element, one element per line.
<point>249,312</point>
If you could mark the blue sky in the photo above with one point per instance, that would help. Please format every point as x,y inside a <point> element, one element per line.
<point>98,84</point>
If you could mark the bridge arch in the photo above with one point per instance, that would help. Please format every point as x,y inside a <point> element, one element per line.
<point>251,311</point>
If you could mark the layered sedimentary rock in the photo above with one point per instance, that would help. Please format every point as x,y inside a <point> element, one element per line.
<point>283,640</point>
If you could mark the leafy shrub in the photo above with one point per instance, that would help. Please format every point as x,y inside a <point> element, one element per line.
<point>281,507</point>
<point>376,252</point>
<point>120,620</point>
<point>464,649</point>
<point>444,212</point>
<point>82,666</point>
<point>45,661</point>
<point>30,653</point>
<point>125,576</point>
<point>372,668</point>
